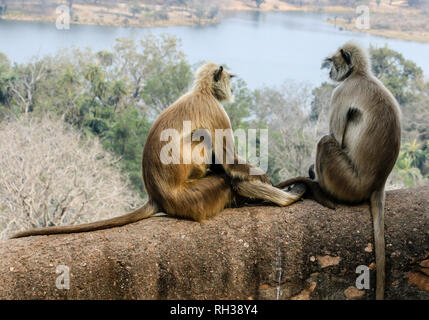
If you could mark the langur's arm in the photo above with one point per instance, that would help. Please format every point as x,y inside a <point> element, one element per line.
<point>340,127</point>
<point>234,166</point>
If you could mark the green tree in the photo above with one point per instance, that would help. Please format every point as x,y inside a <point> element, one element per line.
<point>118,91</point>
<point>321,99</point>
<point>5,78</point>
<point>415,153</point>
<point>407,170</point>
<point>397,73</point>
<point>105,58</point>
<point>126,138</point>
<point>155,68</point>
<point>239,111</point>
<point>416,114</point>
<point>412,163</point>
<point>166,83</point>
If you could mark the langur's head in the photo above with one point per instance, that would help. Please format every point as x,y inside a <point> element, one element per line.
<point>349,59</point>
<point>215,80</point>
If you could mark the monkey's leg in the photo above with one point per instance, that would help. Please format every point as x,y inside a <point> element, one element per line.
<point>336,173</point>
<point>343,181</point>
<point>199,199</point>
<point>377,211</point>
<point>252,182</point>
<point>260,190</point>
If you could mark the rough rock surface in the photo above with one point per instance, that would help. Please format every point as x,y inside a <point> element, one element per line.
<point>304,251</point>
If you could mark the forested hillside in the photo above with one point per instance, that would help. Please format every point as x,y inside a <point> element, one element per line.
<point>114,96</point>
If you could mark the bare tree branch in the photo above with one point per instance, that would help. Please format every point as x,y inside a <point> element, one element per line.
<point>50,176</point>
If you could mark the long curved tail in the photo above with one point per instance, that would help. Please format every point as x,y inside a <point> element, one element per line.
<point>377,211</point>
<point>143,212</point>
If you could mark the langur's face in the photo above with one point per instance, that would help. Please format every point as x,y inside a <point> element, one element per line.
<point>222,85</point>
<point>340,65</point>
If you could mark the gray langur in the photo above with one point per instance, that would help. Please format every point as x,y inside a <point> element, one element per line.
<point>354,161</point>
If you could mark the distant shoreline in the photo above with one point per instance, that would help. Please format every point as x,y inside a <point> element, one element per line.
<point>187,19</point>
<point>106,24</point>
<point>415,36</point>
<point>390,34</point>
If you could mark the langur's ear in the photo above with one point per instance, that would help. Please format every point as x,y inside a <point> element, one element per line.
<point>218,74</point>
<point>347,56</point>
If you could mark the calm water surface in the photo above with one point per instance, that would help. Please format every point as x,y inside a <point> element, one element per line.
<point>262,48</point>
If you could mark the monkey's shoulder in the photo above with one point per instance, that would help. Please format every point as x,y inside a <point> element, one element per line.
<point>365,93</point>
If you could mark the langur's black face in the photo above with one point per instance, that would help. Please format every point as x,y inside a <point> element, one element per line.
<point>340,65</point>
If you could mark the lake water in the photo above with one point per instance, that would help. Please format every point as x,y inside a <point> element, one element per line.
<point>262,48</point>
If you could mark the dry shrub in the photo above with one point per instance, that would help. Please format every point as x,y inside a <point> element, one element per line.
<point>50,175</point>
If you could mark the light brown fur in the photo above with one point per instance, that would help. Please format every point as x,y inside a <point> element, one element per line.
<point>355,159</point>
<point>194,191</point>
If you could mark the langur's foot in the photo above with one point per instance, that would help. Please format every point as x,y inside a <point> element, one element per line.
<point>297,189</point>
